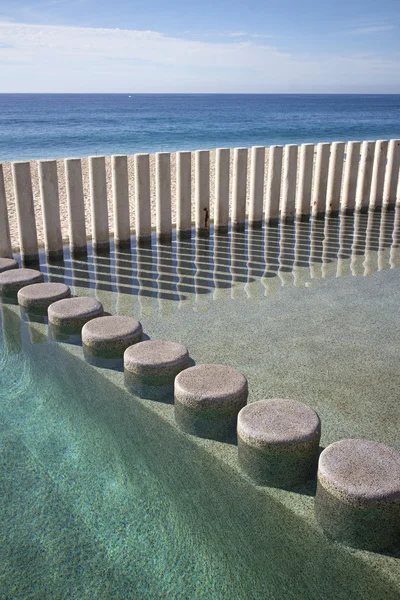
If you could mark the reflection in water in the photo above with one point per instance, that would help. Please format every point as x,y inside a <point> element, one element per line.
<point>108,480</point>
<point>248,264</point>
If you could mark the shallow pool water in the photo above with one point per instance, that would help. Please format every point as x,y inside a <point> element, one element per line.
<point>103,497</point>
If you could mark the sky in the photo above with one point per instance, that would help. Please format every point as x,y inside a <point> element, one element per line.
<point>209,46</point>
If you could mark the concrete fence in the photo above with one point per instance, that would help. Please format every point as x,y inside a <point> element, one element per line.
<point>257,185</point>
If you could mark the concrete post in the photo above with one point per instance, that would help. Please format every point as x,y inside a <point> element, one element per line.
<point>48,183</point>
<point>289,180</point>
<point>28,242</point>
<point>273,185</point>
<point>378,175</point>
<point>163,197</point>
<point>221,205</point>
<point>142,199</point>
<point>5,239</point>
<point>120,191</point>
<point>239,189</point>
<point>257,173</point>
<point>335,178</point>
<point>183,194</point>
<point>320,180</point>
<point>350,178</point>
<point>76,206</point>
<point>391,175</point>
<point>98,203</point>
<point>363,190</point>
<point>306,167</point>
<point>202,192</point>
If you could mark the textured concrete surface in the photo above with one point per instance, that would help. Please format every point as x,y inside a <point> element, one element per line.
<point>154,364</point>
<point>358,494</point>
<point>13,280</point>
<point>278,442</point>
<point>208,398</point>
<point>7,263</point>
<point>110,336</point>
<point>70,315</point>
<point>39,296</point>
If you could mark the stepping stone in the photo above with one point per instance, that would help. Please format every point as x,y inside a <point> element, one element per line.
<point>13,280</point>
<point>358,494</point>
<point>7,263</point>
<point>37,297</point>
<point>68,316</point>
<point>278,442</point>
<point>109,337</point>
<point>208,399</point>
<point>151,367</point>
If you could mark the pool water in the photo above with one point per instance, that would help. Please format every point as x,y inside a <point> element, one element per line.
<point>102,495</point>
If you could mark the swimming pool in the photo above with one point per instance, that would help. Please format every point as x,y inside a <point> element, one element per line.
<point>106,498</point>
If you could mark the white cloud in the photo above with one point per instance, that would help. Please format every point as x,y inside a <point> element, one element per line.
<point>371,29</point>
<point>241,34</point>
<point>46,58</point>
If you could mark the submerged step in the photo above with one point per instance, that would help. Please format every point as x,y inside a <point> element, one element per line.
<point>37,297</point>
<point>207,400</point>
<point>151,367</point>
<point>13,280</point>
<point>108,337</point>
<point>7,263</point>
<point>69,315</point>
<point>278,442</point>
<point>358,494</point>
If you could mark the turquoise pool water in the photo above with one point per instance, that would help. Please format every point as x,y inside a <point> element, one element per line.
<point>103,497</point>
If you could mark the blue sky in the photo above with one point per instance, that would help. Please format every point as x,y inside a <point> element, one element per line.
<point>299,46</point>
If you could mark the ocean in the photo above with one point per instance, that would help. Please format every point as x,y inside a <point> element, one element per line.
<point>36,126</point>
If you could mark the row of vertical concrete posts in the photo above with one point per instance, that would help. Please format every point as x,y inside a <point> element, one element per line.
<point>301,182</point>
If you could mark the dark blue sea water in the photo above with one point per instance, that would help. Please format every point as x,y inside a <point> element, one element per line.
<point>60,125</point>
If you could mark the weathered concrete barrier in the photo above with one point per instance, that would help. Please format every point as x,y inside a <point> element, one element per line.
<point>300,182</point>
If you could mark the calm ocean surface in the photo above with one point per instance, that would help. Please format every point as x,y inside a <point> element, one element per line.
<point>59,125</point>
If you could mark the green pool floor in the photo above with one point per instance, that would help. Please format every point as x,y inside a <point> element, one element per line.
<point>103,497</point>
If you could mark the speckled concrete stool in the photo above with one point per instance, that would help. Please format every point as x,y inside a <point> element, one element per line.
<point>37,297</point>
<point>151,367</point>
<point>68,316</point>
<point>107,338</point>
<point>208,399</point>
<point>6,264</point>
<point>358,494</point>
<point>278,442</point>
<point>13,280</point>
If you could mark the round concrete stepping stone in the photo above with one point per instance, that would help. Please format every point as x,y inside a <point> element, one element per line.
<point>278,442</point>
<point>13,280</point>
<point>358,494</point>
<point>151,367</point>
<point>109,337</point>
<point>37,297</point>
<point>7,263</point>
<point>208,399</point>
<point>69,315</point>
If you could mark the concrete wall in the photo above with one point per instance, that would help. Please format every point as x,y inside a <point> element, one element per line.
<point>226,187</point>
